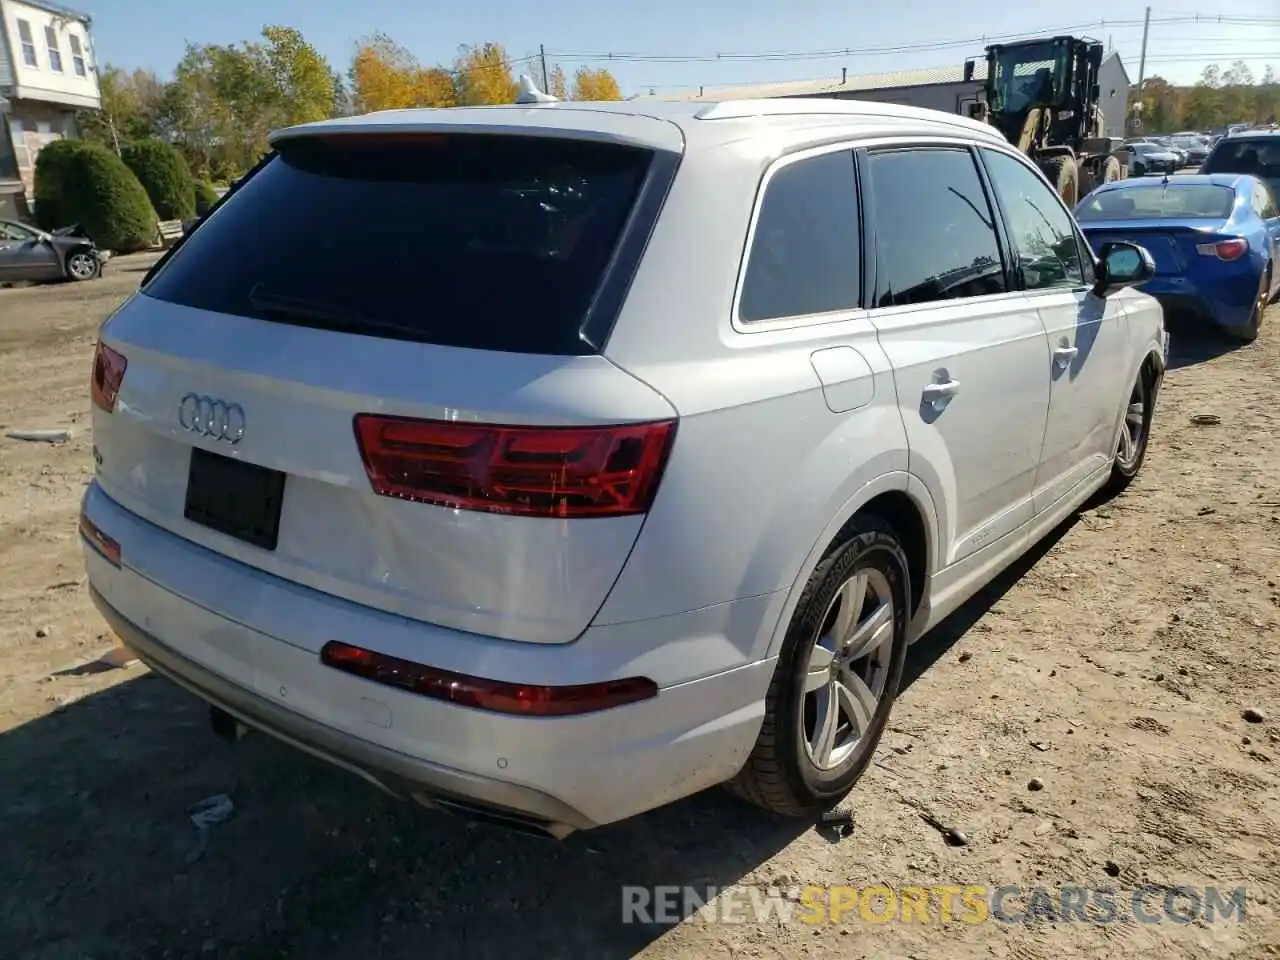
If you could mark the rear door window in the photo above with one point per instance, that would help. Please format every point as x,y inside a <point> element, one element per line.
<point>482,241</point>
<point>935,232</point>
<point>805,255</point>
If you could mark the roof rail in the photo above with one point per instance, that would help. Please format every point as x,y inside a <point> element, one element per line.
<point>830,106</point>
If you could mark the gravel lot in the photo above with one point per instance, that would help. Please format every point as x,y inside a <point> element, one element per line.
<point>1113,666</point>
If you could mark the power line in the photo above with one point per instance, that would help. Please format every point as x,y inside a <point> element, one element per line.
<point>918,46</point>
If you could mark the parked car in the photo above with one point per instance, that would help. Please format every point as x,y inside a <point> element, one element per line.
<point>582,461</point>
<point>1193,149</point>
<point>1255,152</point>
<point>1215,240</point>
<point>28,254</point>
<point>1145,158</point>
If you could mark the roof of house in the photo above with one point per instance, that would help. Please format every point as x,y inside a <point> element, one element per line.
<point>57,10</point>
<point>833,85</point>
<point>830,86</point>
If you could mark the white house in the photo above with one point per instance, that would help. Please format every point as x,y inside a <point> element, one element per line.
<point>47,73</point>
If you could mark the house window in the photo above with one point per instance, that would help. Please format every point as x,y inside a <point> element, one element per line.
<point>28,43</point>
<point>55,55</point>
<point>77,57</point>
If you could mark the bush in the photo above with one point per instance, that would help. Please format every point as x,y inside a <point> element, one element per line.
<point>52,164</point>
<point>205,196</point>
<point>101,194</point>
<point>164,175</point>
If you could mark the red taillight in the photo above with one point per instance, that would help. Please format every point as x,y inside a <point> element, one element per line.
<point>495,696</point>
<point>108,375</point>
<point>526,471</point>
<point>1232,249</point>
<point>106,546</point>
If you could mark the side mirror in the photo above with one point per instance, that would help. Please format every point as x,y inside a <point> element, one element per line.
<point>1122,265</point>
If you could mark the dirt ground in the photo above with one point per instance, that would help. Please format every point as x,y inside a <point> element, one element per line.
<point>1113,665</point>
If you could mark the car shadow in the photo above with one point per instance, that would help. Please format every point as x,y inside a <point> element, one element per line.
<point>935,644</point>
<point>101,857</point>
<point>1192,342</point>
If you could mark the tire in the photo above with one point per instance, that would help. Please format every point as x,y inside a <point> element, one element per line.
<point>82,265</point>
<point>1111,170</point>
<point>1249,332</point>
<point>1131,440</point>
<point>786,774</point>
<point>1061,172</point>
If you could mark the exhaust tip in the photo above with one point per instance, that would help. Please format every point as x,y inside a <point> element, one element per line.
<point>225,726</point>
<point>508,820</point>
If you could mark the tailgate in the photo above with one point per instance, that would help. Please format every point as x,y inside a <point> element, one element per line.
<point>293,394</point>
<point>444,285</point>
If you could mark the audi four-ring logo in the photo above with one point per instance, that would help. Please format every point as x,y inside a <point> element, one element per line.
<point>211,417</point>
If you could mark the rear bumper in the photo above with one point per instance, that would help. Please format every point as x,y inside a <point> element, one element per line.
<point>401,775</point>
<point>1226,304</point>
<point>248,643</point>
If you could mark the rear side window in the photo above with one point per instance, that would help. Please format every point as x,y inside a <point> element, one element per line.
<point>481,241</point>
<point>935,233</point>
<point>805,256</point>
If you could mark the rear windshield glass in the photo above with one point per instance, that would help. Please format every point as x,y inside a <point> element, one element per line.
<point>1259,156</point>
<point>483,241</point>
<point>1146,203</point>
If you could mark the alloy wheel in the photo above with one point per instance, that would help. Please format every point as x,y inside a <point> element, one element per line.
<point>848,669</point>
<point>1134,427</point>
<point>81,266</point>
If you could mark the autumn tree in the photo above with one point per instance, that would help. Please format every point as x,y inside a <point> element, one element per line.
<point>483,76</point>
<point>386,76</point>
<point>590,84</point>
<point>131,105</point>
<point>301,80</point>
<point>224,101</point>
<point>557,85</point>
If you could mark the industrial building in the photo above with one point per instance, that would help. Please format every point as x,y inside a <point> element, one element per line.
<point>940,88</point>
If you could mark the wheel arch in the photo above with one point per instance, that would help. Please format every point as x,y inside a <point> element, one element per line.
<point>900,499</point>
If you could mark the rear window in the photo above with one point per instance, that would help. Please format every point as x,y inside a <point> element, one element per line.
<point>1259,156</point>
<point>483,241</point>
<point>1205,201</point>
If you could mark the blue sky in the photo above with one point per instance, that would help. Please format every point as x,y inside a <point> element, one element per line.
<point>152,33</point>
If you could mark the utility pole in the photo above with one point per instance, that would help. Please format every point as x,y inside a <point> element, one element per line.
<point>542,55</point>
<point>1142,60</point>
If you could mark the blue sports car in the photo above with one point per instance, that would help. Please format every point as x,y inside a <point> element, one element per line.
<point>1215,240</point>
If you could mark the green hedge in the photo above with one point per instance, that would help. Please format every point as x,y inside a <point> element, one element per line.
<point>88,184</point>
<point>205,196</point>
<point>165,176</point>
<point>52,164</point>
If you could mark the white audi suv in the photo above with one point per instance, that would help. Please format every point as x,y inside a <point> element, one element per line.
<point>552,462</point>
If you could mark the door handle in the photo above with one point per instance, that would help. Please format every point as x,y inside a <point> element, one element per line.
<point>937,394</point>
<point>1062,356</point>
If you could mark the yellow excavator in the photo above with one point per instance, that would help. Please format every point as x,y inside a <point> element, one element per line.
<point>1043,96</point>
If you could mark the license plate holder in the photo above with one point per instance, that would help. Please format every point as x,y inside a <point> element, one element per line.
<point>239,499</point>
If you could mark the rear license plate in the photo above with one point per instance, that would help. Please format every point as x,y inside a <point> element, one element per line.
<point>239,499</point>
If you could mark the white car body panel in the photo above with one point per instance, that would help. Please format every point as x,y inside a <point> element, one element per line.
<point>785,430</point>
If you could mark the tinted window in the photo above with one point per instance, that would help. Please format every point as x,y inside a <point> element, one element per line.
<point>465,240</point>
<point>1040,230</point>
<point>1259,156</point>
<point>935,236</point>
<point>1148,202</point>
<point>805,254</point>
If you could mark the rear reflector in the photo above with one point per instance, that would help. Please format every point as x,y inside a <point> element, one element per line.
<point>100,542</point>
<point>108,374</point>
<point>1232,249</point>
<point>610,471</point>
<point>491,695</point>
